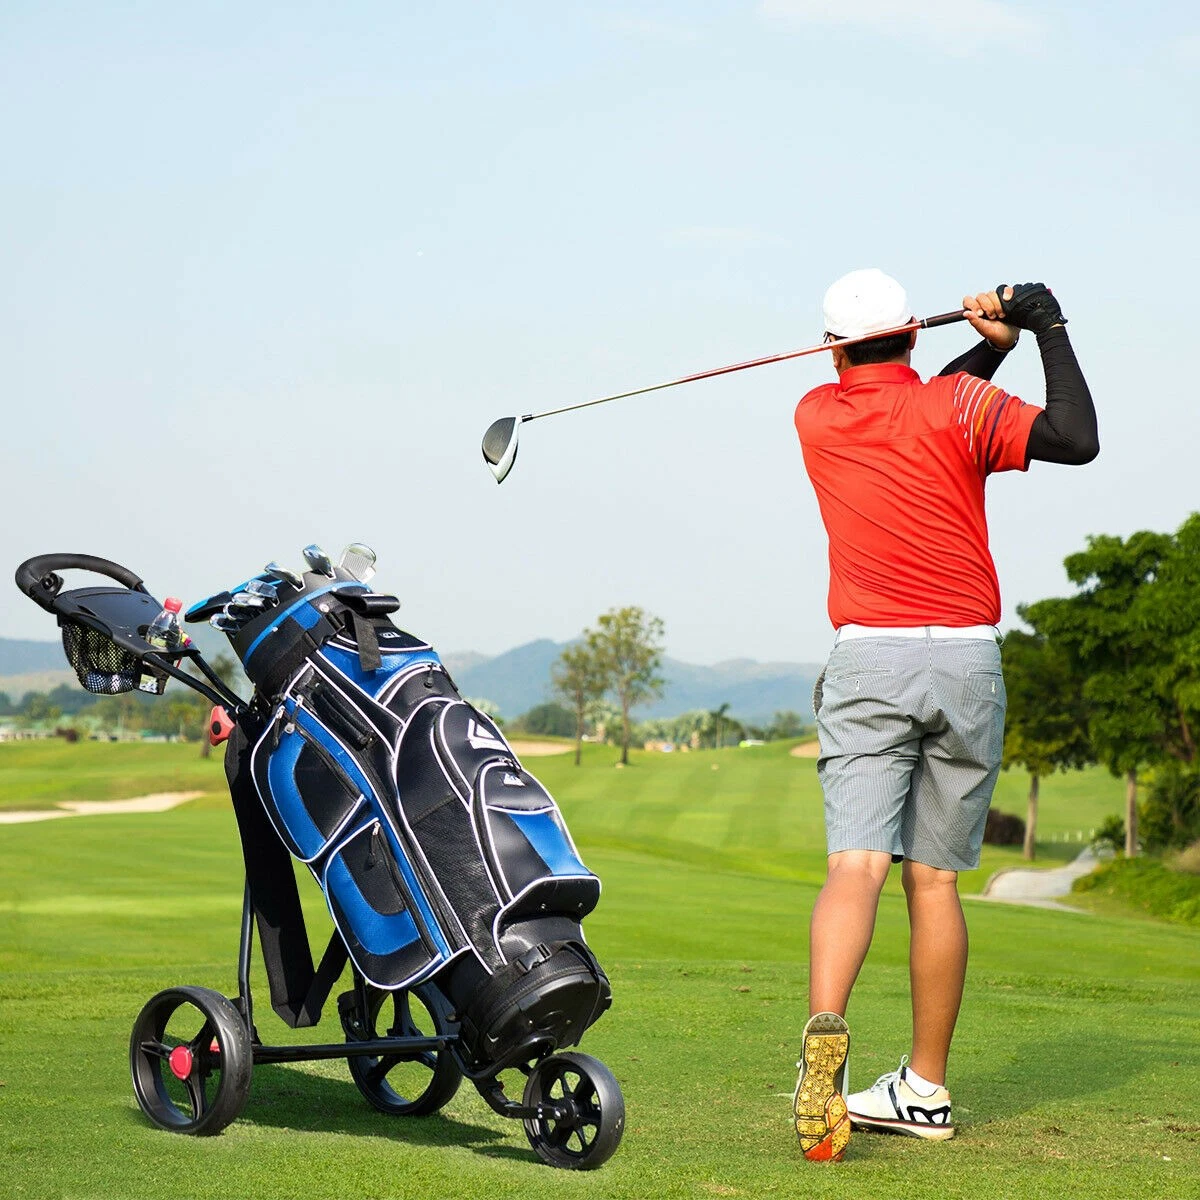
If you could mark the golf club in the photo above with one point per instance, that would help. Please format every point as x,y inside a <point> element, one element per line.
<point>318,561</point>
<point>359,560</point>
<point>284,575</point>
<point>500,440</point>
<point>262,588</point>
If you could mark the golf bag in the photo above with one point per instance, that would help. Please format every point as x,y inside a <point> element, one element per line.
<point>441,858</point>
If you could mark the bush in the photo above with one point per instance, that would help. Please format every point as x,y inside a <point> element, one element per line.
<point>1111,834</point>
<point>1003,829</point>
<point>1169,817</point>
<point>1187,860</point>
<point>1147,885</point>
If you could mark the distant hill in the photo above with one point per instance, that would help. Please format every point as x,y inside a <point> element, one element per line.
<point>25,658</point>
<point>520,678</point>
<point>514,681</point>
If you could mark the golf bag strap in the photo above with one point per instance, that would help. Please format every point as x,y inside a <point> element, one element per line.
<point>368,641</point>
<point>297,991</point>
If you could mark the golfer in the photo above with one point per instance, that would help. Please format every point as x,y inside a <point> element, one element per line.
<point>910,706</point>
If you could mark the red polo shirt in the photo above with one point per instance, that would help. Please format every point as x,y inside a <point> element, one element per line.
<point>899,467</point>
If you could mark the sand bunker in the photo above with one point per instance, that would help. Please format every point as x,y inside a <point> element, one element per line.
<point>538,749</point>
<point>158,802</point>
<point>807,750</point>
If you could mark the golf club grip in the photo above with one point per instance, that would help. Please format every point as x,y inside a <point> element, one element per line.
<point>947,318</point>
<point>33,573</point>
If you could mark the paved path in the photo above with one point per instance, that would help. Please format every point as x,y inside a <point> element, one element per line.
<point>1040,888</point>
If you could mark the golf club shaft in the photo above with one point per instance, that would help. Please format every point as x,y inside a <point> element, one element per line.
<point>948,318</point>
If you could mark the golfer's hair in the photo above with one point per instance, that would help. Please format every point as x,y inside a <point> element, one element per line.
<point>879,350</point>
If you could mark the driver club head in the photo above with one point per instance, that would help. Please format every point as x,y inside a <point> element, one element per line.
<point>318,560</point>
<point>500,446</point>
<point>359,560</point>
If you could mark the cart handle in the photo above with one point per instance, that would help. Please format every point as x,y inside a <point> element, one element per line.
<point>37,577</point>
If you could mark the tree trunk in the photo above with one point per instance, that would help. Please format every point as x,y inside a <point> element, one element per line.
<point>1029,850</point>
<point>1131,816</point>
<point>579,719</point>
<point>205,745</point>
<point>625,734</point>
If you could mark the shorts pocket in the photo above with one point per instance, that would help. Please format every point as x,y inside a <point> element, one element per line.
<point>987,686</point>
<point>818,692</point>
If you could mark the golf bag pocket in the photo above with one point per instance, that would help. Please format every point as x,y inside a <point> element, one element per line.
<point>309,783</point>
<point>377,912</point>
<point>408,689</point>
<point>529,851</point>
<point>464,740</point>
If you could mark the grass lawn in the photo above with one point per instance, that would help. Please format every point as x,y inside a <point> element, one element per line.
<point>1074,1073</point>
<point>38,774</point>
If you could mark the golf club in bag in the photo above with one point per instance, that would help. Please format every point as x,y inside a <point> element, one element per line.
<point>500,440</point>
<point>455,889</point>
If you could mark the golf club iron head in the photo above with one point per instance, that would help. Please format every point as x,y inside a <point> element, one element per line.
<point>260,587</point>
<point>318,560</point>
<point>248,602</point>
<point>500,446</point>
<point>225,624</point>
<point>284,575</point>
<point>359,560</point>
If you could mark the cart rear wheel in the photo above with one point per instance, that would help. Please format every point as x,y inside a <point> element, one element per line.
<point>590,1132</point>
<point>191,1060</point>
<point>404,1084</point>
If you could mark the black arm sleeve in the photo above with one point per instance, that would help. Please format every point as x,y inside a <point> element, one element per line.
<point>981,361</point>
<point>1066,431</point>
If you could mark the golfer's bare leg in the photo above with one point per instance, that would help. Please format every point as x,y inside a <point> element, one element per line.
<point>843,920</point>
<point>937,963</point>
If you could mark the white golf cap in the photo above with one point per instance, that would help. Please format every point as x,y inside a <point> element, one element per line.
<point>865,302</point>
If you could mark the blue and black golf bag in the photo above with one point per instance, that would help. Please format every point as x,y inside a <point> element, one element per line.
<point>441,858</point>
<point>453,884</point>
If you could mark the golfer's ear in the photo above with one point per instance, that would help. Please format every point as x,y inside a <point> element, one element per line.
<point>912,339</point>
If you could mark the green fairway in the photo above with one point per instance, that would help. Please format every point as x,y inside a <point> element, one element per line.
<point>1074,1072</point>
<point>39,774</point>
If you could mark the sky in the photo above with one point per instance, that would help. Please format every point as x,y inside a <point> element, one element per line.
<point>268,272</point>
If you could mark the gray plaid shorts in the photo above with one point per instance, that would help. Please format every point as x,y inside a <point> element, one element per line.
<point>912,733</point>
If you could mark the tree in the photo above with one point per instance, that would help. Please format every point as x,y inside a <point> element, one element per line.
<point>37,707</point>
<point>579,679</point>
<point>1100,630</point>
<point>786,724</point>
<point>1046,726</point>
<point>627,648</point>
<point>553,719</point>
<point>718,720</point>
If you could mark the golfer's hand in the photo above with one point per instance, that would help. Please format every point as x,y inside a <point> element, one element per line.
<point>985,315</point>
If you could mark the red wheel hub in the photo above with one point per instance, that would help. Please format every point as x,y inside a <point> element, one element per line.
<point>180,1061</point>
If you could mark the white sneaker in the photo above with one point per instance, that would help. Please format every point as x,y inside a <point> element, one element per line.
<point>818,1107</point>
<point>890,1105</point>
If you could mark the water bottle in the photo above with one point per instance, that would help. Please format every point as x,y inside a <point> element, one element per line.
<point>164,633</point>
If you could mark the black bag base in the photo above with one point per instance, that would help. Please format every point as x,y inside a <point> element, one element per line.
<point>542,1001</point>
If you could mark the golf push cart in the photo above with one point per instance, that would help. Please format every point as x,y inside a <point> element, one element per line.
<point>455,889</point>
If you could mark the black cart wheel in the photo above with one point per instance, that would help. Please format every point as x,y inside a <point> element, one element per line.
<point>191,1059</point>
<point>412,1084</point>
<point>590,1131</point>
